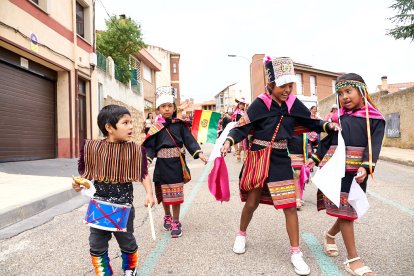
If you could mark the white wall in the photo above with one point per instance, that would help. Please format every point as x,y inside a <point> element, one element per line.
<point>119,91</point>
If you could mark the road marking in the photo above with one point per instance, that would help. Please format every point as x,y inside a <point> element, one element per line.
<point>325,263</point>
<point>153,258</point>
<point>392,203</point>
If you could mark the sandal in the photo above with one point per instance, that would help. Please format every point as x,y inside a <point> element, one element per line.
<point>329,247</point>
<point>359,271</point>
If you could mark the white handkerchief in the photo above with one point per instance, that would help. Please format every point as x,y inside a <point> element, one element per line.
<point>328,178</point>
<point>219,142</point>
<point>89,192</point>
<point>358,199</point>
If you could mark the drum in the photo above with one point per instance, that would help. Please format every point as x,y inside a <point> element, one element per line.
<point>107,216</point>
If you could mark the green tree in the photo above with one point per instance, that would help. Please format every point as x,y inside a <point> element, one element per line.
<point>404,20</point>
<point>122,39</point>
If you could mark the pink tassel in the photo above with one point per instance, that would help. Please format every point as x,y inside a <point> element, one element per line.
<point>303,178</point>
<point>266,59</point>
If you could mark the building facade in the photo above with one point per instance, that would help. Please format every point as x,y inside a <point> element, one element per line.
<point>226,98</point>
<point>169,75</point>
<point>47,75</point>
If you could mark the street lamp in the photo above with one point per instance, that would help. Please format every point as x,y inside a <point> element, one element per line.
<point>250,69</point>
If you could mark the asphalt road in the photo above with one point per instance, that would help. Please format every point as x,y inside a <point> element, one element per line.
<point>384,235</point>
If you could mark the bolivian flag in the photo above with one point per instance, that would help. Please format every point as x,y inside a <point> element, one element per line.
<point>205,124</point>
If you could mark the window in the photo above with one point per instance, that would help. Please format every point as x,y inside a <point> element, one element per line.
<point>175,68</point>
<point>147,73</point>
<point>333,86</point>
<point>80,20</point>
<point>312,82</point>
<point>299,85</point>
<point>42,4</point>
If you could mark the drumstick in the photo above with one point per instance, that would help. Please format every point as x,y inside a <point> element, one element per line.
<point>151,223</point>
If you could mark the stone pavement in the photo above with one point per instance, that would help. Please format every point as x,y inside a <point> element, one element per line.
<point>31,187</point>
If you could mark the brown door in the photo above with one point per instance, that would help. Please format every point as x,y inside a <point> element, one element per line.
<point>27,115</point>
<point>82,109</point>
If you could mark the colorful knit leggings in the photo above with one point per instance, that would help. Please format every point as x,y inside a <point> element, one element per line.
<point>103,267</point>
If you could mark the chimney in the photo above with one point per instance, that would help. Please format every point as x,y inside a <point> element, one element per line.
<point>384,85</point>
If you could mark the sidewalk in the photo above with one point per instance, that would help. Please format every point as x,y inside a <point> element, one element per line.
<point>31,187</point>
<point>397,155</point>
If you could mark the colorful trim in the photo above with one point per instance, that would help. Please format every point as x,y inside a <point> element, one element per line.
<point>168,153</point>
<point>297,161</point>
<point>197,152</point>
<point>265,197</point>
<point>114,162</point>
<point>170,194</point>
<point>365,164</point>
<point>345,210</point>
<point>102,265</point>
<point>353,157</point>
<point>231,140</point>
<point>324,126</point>
<point>283,193</point>
<point>315,158</point>
<point>155,127</point>
<point>149,159</point>
<point>280,144</point>
<point>129,260</point>
<point>244,120</point>
<point>351,83</point>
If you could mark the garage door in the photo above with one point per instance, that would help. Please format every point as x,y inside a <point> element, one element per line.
<point>27,115</point>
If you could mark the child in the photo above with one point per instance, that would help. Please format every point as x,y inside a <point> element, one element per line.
<point>114,163</point>
<point>361,155</point>
<point>237,114</point>
<point>273,114</point>
<point>165,140</point>
<point>148,122</point>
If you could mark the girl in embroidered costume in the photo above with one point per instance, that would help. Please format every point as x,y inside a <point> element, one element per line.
<point>276,111</point>
<point>114,163</point>
<point>165,140</point>
<point>357,115</point>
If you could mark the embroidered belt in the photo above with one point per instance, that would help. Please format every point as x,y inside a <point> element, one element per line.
<point>280,144</point>
<point>169,152</point>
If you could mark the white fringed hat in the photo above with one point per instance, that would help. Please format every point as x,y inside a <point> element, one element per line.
<point>164,94</point>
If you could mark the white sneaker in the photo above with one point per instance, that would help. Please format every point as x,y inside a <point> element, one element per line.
<point>239,246</point>
<point>301,268</point>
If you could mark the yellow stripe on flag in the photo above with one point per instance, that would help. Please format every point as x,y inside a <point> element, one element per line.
<point>203,126</point>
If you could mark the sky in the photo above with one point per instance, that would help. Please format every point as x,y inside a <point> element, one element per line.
<point>339,36</point>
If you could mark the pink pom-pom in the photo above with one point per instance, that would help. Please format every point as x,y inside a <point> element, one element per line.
<point>267,59</point>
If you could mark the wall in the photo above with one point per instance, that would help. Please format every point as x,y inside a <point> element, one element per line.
<point>115,92</point>
<point>162,56</point>
<point>59,49</point>
<point>399,102</point>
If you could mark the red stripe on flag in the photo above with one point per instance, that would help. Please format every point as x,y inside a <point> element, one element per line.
<point>196,123</point>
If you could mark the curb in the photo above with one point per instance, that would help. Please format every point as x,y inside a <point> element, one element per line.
<point>26,211</point>
<point>398,161</point>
